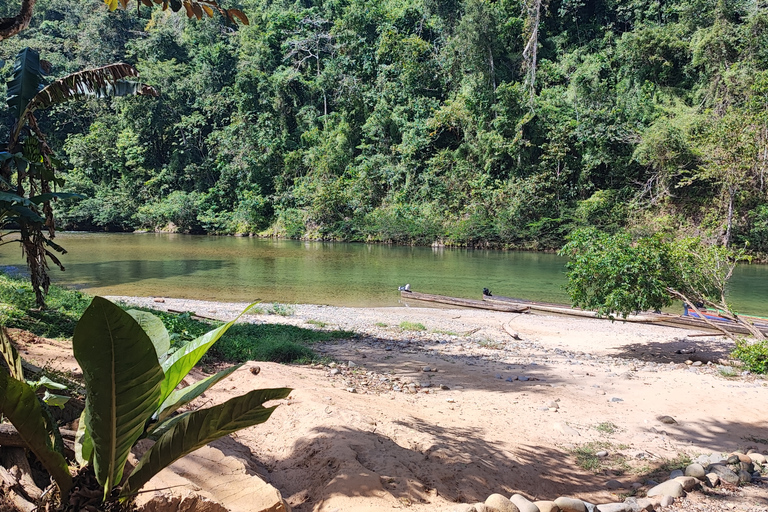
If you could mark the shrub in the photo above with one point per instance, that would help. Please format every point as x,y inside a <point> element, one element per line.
<point>754,354</point>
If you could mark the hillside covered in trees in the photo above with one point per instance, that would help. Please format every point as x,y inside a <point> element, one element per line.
<point>463,122</point>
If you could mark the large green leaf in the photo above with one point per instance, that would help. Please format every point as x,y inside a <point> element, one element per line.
<point>177,366</point>
<point>19,403</point>
<point>11,356</point>
<point>122,380</point>
<point>26,82</point>
<point>185,395</point>
<point>83,441</point>
<point>155,329</point>
<point>199,428</point>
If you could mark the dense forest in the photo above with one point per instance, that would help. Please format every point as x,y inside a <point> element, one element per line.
<point>461,122</point>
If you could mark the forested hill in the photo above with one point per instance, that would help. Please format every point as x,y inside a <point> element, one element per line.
<point>464,122</point>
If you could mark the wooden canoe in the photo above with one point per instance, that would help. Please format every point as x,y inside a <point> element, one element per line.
<point>654,318</point>
<point>563,309</point>
<point>465,303</point>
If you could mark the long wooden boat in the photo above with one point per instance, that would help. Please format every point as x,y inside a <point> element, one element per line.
<point>563,309</point>
<point>466,303</point>
<point>655,318</point>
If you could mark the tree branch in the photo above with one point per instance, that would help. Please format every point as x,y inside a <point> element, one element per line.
<point>9,27</point>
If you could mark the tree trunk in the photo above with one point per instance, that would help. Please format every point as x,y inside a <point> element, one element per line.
<point>729,222</point>
<point>9,27</point>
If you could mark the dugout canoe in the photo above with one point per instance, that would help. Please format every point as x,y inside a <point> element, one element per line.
<point>465,303</point>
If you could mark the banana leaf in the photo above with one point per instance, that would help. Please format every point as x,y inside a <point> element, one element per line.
<point>196,429</point>
<point>11,356</point>
<point>83,441</point>
<point>19,403</point>
<point>181,397</point>
<point>27,81</point>
<point>156,331</point>
<point>177,366</point>
<point>122,380</point>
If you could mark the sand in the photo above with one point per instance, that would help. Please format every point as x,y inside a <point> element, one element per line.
<point>374,431</point>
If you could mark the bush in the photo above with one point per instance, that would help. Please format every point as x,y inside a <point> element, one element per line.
<point>754,355</point>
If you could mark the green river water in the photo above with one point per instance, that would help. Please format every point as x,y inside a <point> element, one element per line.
<point>342,274</point>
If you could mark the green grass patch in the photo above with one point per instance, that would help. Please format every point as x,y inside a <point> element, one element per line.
<point>412,326</point>
<point>281,309</point>
<point>317,323</point>
<point>271,342</point>
<point>490,344</point>
<point>754,354</point>
<point>606,427</point>
<point>380,324</point>
<point>445,333</point>
<point>58,320</point>
<point>586,458</point>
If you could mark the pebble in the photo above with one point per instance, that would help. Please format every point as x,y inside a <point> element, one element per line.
<point>335,371</point>
<point>614,507</point>
<point>523,378</point>
<point>602,453</point>
<point>667,420</point>
<point>616,399</point>
<point>666,501</point>
<point>676,473</point>
<point>614,484</point>
<point>351,364</point>
<point>688,482</point>
<point>426,369</point>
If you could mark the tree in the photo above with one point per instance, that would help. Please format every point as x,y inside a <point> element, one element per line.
<point>28,158</point>
<point>616,274</point>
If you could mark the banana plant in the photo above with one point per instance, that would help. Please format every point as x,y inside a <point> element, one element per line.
<point>20,403</point>
<point>130,378</point>
<point>28,158</point>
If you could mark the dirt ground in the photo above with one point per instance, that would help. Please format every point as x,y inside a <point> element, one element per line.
<point>426,419</point>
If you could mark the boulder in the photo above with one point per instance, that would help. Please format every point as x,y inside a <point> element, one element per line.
<point>523,504</point>
<point>499,503</point>
<point>695,470</point>
<point>725,474</point>
<point>570,504</point>
<point>547,506</point>
<point>614,507</point>
<point>688,482</point>
<point>669,488</point>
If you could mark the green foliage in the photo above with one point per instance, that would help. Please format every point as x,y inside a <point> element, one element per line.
<point>615,274</point>
<point>754,355</point>
<point>131,393</point>
<point>21,406</point>
<point>412,326</point>
<point>272,342</point>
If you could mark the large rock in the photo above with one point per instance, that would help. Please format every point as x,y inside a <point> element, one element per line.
<point>725,474</point>
<point>695,470</point>
<point>614,507</point>
<point>546,506</point>
<point>757,458</point>
<point>688,482</point>
<point>669,488</point>
<point>523,504</point>
<point>639,504</point>
<point>499,503</point>
<point>570,504</point>
<point>207,480</point>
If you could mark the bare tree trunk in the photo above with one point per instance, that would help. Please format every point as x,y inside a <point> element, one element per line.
<point>492,68</point>
<point>529,53</point>
<point>9,27</point>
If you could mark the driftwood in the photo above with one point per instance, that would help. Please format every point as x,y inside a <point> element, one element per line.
<point>9,437</point>
<point>13,491</point>
<point>15,460</point>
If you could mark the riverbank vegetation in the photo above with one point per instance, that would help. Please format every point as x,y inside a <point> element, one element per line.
<point>468,122</point>
<point>243,342</point>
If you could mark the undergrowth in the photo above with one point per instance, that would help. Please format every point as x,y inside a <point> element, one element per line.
<point>243,342</point>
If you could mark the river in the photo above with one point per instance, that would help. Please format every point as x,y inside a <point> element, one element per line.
<point>341,274</point>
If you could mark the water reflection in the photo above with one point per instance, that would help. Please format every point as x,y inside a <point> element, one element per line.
<point>245,269</point>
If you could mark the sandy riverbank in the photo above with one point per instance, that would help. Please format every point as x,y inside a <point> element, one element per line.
<point>493,414</point>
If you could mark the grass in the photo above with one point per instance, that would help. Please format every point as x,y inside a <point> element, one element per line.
<point>412,326</point>
<point>490,344</point>
<point>18,309</point>
<point>445,333</point>
<point>380,324</point>
<point>727,372</point>
<point>317,323</point>
<point>281,309</point>
<point>606,427</point>
<point>243,342</point>
<point>586,458</point>
<point>271,342</point>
